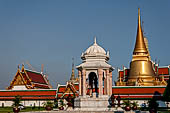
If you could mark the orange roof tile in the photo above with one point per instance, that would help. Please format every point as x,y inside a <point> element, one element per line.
<point>28,93</point>
<point>36,77</point>
<point>137,90</point>
<point>163,71</point>
<point>121,73</point>
<point>61,89</point>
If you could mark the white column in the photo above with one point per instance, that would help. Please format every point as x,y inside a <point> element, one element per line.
<point>108,82</point>
<point>100,76</point>
<point>80,84</point>
<point>105,84</point>
<point>110,92</point>
<point>84,82</point>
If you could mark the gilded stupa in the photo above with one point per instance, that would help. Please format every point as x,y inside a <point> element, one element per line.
<point>141,70</point>
<point>73,79</point>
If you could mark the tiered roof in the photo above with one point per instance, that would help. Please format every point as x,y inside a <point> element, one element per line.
<point>30,79</point>
<point>70,88</point>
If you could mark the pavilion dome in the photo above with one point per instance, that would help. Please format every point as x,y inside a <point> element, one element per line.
<point>95,49</point>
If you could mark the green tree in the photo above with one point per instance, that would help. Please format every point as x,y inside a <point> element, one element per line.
<point>16,101</point>
<point>48,104</point>
<point>166,95</point>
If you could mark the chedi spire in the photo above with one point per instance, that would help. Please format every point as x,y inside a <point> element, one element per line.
<point>140,46</point>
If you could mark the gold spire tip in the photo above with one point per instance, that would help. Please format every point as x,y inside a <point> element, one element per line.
<point>138,11</point>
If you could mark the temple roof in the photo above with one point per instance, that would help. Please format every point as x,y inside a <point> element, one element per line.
<point>30,79</point>
<point>36,77</point>
<point>70,88</point>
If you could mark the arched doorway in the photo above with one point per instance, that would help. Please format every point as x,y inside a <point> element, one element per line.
<point>93,83</point>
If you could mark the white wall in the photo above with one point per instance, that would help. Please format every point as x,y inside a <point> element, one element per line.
<point>32,103</point>
<point>28,103</point>
<point>19,87</point>
<point>6,103</point>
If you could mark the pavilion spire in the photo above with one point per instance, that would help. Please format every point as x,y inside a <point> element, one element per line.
<point>95,42</point>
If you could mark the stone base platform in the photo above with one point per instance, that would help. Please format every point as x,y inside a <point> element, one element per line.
<point>87,103</point>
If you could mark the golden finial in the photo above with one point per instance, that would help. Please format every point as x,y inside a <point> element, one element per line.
<point>140,46</point>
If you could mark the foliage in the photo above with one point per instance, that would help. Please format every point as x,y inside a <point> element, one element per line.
<point>153,104</point>
<point>126,103</point>
<point>166,94</point>
<point>56,103</point>
<point>48,104</point>
<point>16,101</point>
<point>61,103</point>
<point>135,103</point>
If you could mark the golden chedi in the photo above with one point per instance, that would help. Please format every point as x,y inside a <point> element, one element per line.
<point>141,70</point>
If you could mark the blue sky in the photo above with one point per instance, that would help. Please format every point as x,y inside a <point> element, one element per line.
<point>51,32</point>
